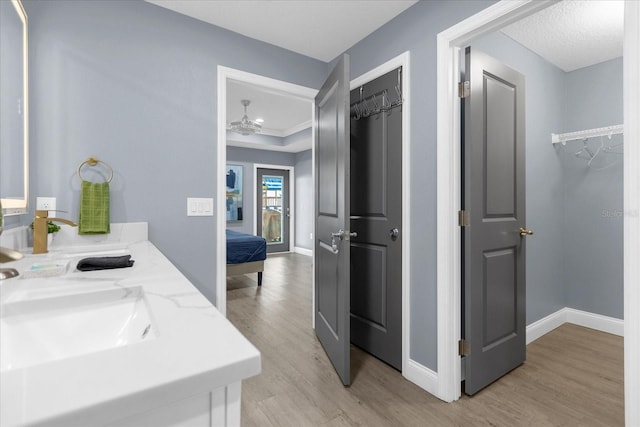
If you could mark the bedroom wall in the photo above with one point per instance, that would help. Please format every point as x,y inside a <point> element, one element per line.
<point>248,157</point>
<point>136,85</point>
<point>304,200</point>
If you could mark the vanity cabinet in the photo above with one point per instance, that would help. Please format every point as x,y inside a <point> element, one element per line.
<point>220,407</point>
<point>138,346</point>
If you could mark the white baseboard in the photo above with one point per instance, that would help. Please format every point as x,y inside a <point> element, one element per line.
<point>427,379</point>
<point>303,251</point>
<point>546,325</point>
<point>598,322</point>
<point>421,376</point>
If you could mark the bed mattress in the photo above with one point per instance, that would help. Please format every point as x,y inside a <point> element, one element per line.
<point>243,247</point>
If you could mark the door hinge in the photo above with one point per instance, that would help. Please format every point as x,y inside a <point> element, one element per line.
<point>464,218</point>
<point>464,89</point>
<point>464,349</point>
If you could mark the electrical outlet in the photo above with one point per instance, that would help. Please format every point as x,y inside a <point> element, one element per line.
<point>46,203</point>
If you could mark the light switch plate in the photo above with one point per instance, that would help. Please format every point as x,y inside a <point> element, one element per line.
<point>198,206</point>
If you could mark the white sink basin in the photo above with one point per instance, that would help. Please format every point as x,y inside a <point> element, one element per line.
<point>43,330</point>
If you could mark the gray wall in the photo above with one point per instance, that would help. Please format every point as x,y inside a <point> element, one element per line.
<point>304,200</point>
<point>135,84</point>
<point>593,222</point>
<point>248,157</point>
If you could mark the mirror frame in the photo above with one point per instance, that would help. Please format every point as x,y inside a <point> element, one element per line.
<point>19,206</point>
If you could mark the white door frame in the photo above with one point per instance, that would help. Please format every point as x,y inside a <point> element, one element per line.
<point>449,44</point>
<point>292,199</point>
<point>411,370</point>
<point>224,74</point>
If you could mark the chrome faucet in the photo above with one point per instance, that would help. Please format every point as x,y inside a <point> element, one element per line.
<point>40,230</point>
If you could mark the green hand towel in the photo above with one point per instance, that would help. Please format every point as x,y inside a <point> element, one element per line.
<point>94,208</point>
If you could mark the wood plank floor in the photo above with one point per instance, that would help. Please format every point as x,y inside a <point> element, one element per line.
<point>573,376</point>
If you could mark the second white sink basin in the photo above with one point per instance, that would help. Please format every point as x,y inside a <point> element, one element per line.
<point>43,330</point>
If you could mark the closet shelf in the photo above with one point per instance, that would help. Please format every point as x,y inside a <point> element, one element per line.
<point>584,134</point>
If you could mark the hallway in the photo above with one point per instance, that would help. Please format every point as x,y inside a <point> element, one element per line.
<point>573,376</point>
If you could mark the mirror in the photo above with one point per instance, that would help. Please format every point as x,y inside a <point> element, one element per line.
<point>14,118</point>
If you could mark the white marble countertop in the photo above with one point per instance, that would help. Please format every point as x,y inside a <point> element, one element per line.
<point>194,348</point>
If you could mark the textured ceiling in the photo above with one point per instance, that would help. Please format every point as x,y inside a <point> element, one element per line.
<point>573,33</point>
<point>321,29</point>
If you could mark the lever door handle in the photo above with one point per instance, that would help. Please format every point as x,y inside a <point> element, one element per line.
<point>340,235</point>
<point>525,232</point>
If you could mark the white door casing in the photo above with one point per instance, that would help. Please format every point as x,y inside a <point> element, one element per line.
<point>410,370</point>
<point>449,43</point>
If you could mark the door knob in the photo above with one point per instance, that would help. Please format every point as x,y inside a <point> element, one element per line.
<point>394,233</point>
<point>525,232</point>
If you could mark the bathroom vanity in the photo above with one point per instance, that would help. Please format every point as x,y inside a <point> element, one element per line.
<point>135,346</point>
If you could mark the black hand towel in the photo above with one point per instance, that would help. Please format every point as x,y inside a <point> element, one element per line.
<point>105,263</point>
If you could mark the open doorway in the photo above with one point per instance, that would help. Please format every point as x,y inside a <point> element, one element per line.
<point>450,43</point>
<point>574,258</point>
<point>284,141</point>
<point>351,160</point>
<point>397,71</point>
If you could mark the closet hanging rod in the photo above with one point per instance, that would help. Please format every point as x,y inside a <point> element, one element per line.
<point>584,134</point>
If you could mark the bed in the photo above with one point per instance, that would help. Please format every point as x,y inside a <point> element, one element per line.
<point>245,254</point>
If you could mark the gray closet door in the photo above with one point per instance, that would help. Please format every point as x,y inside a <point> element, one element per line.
<point>331,268</point>
<point>494,195</point>
<point>376,215</point>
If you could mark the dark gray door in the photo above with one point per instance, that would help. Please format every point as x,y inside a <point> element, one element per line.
<point>494,196</point>
<point>376,216</point>
<point>272,208</point>
<point>331,267</point>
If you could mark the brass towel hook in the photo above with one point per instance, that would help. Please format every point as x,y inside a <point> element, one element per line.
<point>93,161</point>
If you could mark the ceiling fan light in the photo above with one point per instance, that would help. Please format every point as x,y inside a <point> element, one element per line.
<point>245,126</point>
